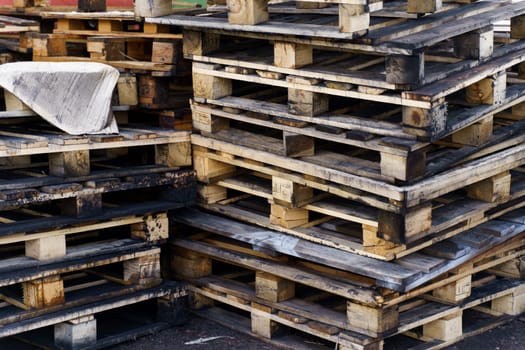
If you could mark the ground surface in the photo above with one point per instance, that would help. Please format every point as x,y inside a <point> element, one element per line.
<point>507,337</point>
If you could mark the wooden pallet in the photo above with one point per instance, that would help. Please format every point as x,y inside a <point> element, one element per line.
<point>404,44</point>
<point>10,24</point>
<point>386,155</point>
<point>315,96</point>
<point>289,335</point>
<point>324,299</point>
<point>410,214</point>
<point>407,274</point>
<point>94,325</point>
<point>114,266</point>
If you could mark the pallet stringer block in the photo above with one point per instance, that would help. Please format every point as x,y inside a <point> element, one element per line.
<point>263,325</point>
<point>476,45</point>
<point>475,134</point>
<point>290,194</point>
<point>292,55</point>
<point>208,86</point>
<point>154,228</point>
<point>407,227</point>
<point>370,320</point>
<point>447,328</point>
<point>191,265</point>
<point>13,103</point>
<point>511,304</point>
<point>297,145</point>
<point>144,270</point>
<point>349,342</point>
<point>210,194</point>
<point>44,292</point>
<point>82,205</point>
<point>374,244</point>
<point>517,27</point>
<point>49,45</point>
<point>288,217</point>
<point>46,247</point>
<point>273,288</point>
<point>425,122</point>
<point>69,164</point>
<point>353,18</point>
<point>199,43</point>
<point>405,70</point>
<point>210,170</point>
<point>177,154</point>
<point>493,189</point>
<point>457,290</point>
<point>208,123</point>
<point>423,6</point>
<point>401,167</point>
<point>74,334</point>
<point>302,102</point>
<point>488,91</point>
<point>247,11</point>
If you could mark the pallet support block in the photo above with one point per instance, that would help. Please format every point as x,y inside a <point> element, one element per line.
<point>292,55</point>
<point>514,268</point>
<point>13,103</point>
<point>349,342</point>
<point>261,324</point>
<point>208,86</point>
<point>205,122</point>
<point>447,328</point>
<point>209,170</point>
<point>289,193</point>
<point>407,227</point>
<point>199,43</point>
<point>69,164</point>
<point>152,8</point>
<point>404,168</point>
<point>487,91</point>
<point>457,290</point>
<point>302,102</point>
<point>475,134</point>
<point>176,154</point>
<point>210,194</point>
<point>75,334</point>
<point>372,320</point>
<point>517,27</point>
<point>127,90</point>
<point>405,70</point>
<point>423,6</point>
<point>188,264</point>
<point>475,45</point>
<point>82,205</point>
<point>144,270</point>
<point>166,51</point>
<point>154,228</point>
<point>44,292</point>
<point>376,245</point>
<point>288,217</point>
<point>49,45</point>
<point>353,18</point>
<point>273,288</point>
<point>46,248</point>
<point>297,145</point>
<point>493,189</point>
<point>425,123</point>
<point>511,304</point>
<point>247,11</point>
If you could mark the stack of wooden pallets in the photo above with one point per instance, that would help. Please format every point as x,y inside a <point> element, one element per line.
<point>84,218</point>
<point>366,159</point>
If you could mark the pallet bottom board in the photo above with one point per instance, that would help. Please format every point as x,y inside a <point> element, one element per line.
<point>297,340</point>
<point>66,314</point>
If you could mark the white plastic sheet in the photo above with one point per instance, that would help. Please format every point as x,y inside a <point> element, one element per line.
<point>73,96</point>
